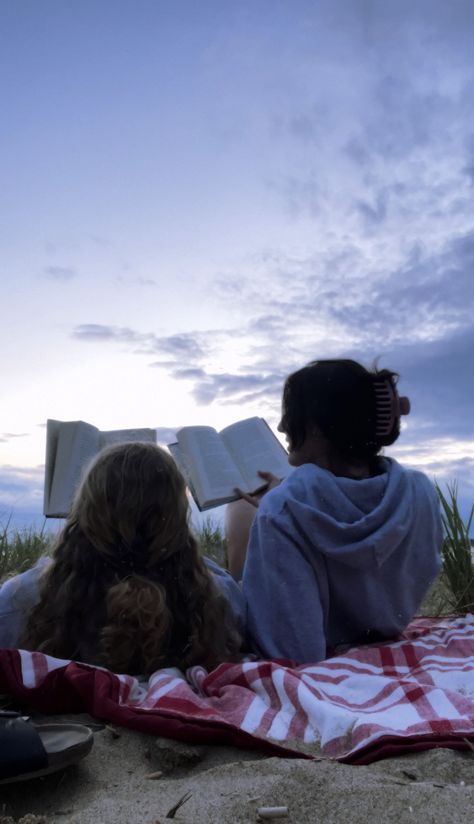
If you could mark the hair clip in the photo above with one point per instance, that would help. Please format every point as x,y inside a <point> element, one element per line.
<point>389,406</point>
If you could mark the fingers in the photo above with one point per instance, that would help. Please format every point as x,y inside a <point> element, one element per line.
<point>247,497</point>
<point>270,478</point>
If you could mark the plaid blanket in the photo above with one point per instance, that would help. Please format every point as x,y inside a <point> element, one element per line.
<point>356,707</point>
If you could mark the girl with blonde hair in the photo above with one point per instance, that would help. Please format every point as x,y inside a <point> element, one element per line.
<point>127,587</point>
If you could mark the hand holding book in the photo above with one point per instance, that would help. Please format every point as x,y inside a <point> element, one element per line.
<point>216,464</point>
<point>271,481</point>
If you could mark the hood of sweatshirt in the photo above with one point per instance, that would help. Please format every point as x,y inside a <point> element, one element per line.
<point>356,522</point>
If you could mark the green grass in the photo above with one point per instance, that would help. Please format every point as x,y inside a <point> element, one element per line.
<point>458,569</point>
<point>452,593</point>
<point>20,549</point>
<point>212,542</point>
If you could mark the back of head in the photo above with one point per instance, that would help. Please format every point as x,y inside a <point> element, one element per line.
<point>354,408</point>
<point>128,588</point>
<point>132,505</point>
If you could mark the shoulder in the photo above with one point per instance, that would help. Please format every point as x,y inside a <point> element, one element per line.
<point>18,586</point>
<point>299,487</point>
<point>302,488</point>
<point>415,477</point>
<point>18,596</point>
<point>415,486</point>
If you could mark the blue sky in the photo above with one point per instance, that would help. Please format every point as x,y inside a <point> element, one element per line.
<point>199,198</point>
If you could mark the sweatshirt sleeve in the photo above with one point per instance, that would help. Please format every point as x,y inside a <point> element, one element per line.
<point>230,589</point>
<point>18,596</point>
<point>284,613</point>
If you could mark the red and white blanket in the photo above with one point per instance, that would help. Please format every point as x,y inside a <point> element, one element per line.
<point>356,707</point>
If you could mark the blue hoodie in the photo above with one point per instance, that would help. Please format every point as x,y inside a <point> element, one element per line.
<point>333,560</point>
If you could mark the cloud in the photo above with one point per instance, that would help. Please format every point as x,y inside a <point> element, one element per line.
<point>135,281</point>
<point>438,377</point>
<point>59,273</point>
<point>373,213</point>
<point>186,345</point>
<point>99,332</point>
<point>20,488</point>
<point>442,459</point>
<point>8,436</point>
<point>237,388</point>
<point>418,317</point>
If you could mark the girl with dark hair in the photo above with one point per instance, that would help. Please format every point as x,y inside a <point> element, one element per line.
<point>344,550</point>
<point>127,587</point>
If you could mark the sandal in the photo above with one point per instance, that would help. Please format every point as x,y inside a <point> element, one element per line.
<point>30,750</point>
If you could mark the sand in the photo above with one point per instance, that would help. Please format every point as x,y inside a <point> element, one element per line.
<point>226,785</point>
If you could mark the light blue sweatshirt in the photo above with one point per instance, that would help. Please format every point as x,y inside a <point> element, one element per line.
<point>335,561</point>
<point>18,596</point>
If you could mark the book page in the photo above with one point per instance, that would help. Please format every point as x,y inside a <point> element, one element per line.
<point>52,434</point>
<point>114,436</point>
<point>212,471</point>
<point>77,443</point>
<point>254,447</point>
<point>183,467</point>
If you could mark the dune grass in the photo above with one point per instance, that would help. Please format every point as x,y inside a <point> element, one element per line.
<point>453,592</point>
<point>212,542</point>
<point>458,566</point>
<point>20,549</point>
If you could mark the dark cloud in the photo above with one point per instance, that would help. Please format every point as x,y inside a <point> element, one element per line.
<point>426,297</point>
<point>237,388</point>
<point>437,375</point>
<point>188,374</point>
<point>98,332</point>
<point>187,345</point>
<point>373,213</point>
<point>384,131</point>
<point>59,273</point>
<point>183,345</point>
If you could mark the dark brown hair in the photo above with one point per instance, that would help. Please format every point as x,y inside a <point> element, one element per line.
<point>127,587</point>
<point>338,396</point>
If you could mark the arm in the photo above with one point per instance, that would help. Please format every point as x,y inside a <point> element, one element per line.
<point>284,614</point>
<point>18,596</point>
<point>230,589</point>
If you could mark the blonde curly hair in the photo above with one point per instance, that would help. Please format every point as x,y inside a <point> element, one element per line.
<point>127,587</point>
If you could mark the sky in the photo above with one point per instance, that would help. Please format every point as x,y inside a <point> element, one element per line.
<point>200,198</point>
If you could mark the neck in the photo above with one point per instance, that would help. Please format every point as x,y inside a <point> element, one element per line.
<point>329,458</point>
<point>357,470</point>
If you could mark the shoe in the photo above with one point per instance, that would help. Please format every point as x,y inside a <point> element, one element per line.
<point>29,750</point>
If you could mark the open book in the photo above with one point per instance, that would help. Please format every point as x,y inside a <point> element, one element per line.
<point>214,463</point>
<point>70,446</point>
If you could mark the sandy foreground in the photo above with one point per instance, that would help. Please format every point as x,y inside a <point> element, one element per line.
<point>132,777</point>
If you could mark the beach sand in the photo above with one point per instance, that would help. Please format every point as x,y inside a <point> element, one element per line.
<point>227,785</point>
